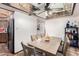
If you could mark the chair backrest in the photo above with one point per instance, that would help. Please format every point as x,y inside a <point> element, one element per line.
<point>34,37</point>
<point>27,50</point>
<point>65,46</point>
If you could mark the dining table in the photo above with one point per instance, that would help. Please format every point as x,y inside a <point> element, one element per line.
<point>48,45</point>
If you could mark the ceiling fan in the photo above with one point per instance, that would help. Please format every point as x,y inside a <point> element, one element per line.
<point>45,5</point>
<point>41,6</point>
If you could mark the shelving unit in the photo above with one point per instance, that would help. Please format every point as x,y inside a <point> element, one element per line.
<point>72,34</point>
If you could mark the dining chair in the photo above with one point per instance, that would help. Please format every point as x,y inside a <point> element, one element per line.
<point>34,37</point>
<point>65,47</point>
<point>28,51</point>
<point>62,49</point>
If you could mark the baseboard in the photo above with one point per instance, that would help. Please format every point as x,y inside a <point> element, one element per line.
<point>18,52</point>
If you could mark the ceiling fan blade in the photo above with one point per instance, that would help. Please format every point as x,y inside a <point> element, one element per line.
<point>46,6</point>
<point>41,12</point>
<point>35,8</point>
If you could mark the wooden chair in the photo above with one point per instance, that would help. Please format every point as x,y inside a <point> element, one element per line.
<point>65,47</point>
<point>62,49</point>
<point>28,51</point>
<point>34,37</point>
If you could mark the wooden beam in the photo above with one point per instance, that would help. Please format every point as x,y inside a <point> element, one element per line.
<point>6,9</point>
<point>14,7</point>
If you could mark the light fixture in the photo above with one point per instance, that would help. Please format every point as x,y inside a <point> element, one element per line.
<point>53,9</point>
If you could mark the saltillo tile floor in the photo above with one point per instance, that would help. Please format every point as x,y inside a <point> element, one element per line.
<point>72,51</point>
<point>5,52</point>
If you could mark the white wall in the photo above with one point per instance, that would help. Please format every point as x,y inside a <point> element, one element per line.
<point>41,22</point>
<point>56,27</point>
<point>25,26</point>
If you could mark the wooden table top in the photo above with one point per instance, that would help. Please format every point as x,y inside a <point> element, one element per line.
<point>51,46</point>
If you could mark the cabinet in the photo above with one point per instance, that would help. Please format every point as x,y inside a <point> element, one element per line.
<point>3,37</point>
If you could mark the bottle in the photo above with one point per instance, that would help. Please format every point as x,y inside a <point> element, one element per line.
<point>67,25</point>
